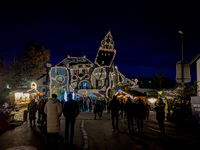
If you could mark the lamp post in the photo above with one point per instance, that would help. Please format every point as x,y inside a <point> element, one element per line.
<point>182,68</point>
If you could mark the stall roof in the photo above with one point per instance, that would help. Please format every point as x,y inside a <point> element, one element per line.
<point>132,93</point>
<point>98,95</point>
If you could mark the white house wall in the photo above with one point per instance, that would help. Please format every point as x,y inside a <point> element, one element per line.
<point>198,77</point>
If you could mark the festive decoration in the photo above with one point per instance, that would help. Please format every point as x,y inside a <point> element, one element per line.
<point>80,73</point>
<point>106,53</point>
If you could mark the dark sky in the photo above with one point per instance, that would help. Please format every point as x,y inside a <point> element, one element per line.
<point>145,33</point>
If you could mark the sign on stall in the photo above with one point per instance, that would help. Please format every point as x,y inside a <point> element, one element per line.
<point>195,104</point>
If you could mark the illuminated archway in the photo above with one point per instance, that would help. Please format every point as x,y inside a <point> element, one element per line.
<point>84,84</point>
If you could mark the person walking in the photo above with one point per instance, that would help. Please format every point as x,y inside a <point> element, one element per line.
<point>121,108</point>
<point>32,108</point>
<point>108,106</point>
<point>140,114</point>
<point>96,110</point>
<point>147,108</point>
<point>40,106</point>
<point>43,113</point>
<point>160,115</point>
<point>114,107</point>
<point>53,111</point>
<point>129,108</point>
<point>70,111</point>
<point>90,105</point>
<point>85,104</point>
<point>100,108</point>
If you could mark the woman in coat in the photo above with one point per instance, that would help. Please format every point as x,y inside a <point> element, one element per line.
<point>160,114</point>
<point>53,111</point>
<point>32,108</point>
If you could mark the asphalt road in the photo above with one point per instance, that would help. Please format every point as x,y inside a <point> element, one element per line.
<point>98,135</point>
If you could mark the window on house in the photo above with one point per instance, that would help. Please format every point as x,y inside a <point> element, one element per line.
<point>44,83</point>
<point>80,71</point>
<point>102,62</point>
<point>43,90</point>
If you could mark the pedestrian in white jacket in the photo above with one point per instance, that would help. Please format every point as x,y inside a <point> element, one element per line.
<point>53,111</point>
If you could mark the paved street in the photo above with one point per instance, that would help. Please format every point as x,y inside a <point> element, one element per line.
<point>98,135</point>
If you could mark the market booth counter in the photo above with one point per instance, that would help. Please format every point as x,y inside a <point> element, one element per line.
<point>21,97</point>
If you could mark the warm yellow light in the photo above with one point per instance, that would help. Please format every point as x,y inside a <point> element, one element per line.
<point>152,100</point>
<point>26,95</point>
<point>18,95</point>
<point>160,92</point>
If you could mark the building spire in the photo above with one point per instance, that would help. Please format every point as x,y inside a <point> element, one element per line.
<point>108,42</point>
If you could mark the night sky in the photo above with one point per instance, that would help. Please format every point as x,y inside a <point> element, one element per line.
<point>145,33</point>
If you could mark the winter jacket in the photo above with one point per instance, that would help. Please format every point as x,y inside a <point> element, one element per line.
<point>32,108</point>
<point>71,109</point>
<point>40,106</point>
<point>140,110</point>
<point>114,106</point>
<point>160,111</point>
<point>129,108</point>
<point>53,111</point>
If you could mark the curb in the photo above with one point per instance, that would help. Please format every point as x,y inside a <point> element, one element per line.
<point>85,137</point>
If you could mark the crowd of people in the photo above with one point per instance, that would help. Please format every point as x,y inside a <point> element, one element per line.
<point>49,112</point>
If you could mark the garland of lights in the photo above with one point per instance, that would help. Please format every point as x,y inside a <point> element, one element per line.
<point>52,78</point>
<point>107,45</point>
<point>75,58</point>
<point>99,73</point>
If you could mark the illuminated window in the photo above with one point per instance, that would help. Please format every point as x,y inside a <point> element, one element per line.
<point>80,71</point>
<point>102,62</point>
<point>149,81</point>
<point>60,79</point>
<point>86,71</point>
<point>105,54</point>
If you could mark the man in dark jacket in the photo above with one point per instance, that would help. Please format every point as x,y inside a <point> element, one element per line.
<point>140,114</point>
<point>129,110</point>
<point>97,110</point>
<point>160,114</point>
<point>70,111</point>
<point>114,107</point>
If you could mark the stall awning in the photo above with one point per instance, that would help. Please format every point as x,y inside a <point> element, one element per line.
<point>98,95</point>
<point>33,91</point>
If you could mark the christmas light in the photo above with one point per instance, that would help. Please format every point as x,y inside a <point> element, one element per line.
<point>107,46</point>
<point>62,85</point>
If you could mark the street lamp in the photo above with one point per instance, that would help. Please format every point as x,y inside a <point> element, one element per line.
<point>181,34</point>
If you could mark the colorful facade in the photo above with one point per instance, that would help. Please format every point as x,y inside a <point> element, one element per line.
<point>81,76</point>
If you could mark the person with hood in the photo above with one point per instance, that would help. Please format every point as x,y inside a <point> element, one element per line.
<point>140,114</point>
<point>70,111</point>
<point>32,108</point>
<point>129,108</point>
<point>53,111</point>
<point>114,107</point>
<point>160,114</point>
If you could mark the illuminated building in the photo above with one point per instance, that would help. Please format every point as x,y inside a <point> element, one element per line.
<point>80,75</point>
